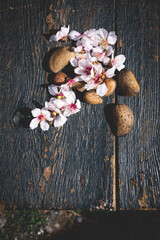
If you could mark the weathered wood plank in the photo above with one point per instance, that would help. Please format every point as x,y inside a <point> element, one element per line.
<point>139,156</point>
<point>70,167</point>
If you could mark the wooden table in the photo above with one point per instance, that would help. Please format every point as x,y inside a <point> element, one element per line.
<point>81,165</point>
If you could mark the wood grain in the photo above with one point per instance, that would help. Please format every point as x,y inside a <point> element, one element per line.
<point>137,25</point>
<point>69,167</point>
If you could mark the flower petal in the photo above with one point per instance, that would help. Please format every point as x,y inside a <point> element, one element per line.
<point>65,29</point>
<point>53,38</point>
<point>106,60</point>
<point>78,49</point>
<point>79,71</point>
<point>112,38</point>
<point>74,35</point>
<point>78,103</point>
<point>59,103</point>
<point>120,67</point>
<point>120,58</point>
<point>101,90</point>
<point>34,123</point>
<point>36,112</point>
<point>67,112</point>
<point>47,114</point>
<point>110,72</point>
<point>59,120</point>
<point>74,62</point>
<point>103,33</point>
<point>53,89</point>
<point>89,86</point>
<point>44,125</point>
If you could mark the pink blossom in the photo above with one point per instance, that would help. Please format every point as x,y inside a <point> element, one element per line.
<point>84,69</point>
<point>72,108</point>
<point>92,36</point>
<point>58,117</point>
<point>105,38</point>
<point>40,116</point>
<point>60,35</point>
<point>62,95</point>
<point>100,55</point>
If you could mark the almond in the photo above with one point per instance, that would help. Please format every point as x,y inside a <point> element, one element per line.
<point>60,58</point>
<point>123,119</point>
<point>59,78</point>
<point>128,85</point>
<point>92,97</point>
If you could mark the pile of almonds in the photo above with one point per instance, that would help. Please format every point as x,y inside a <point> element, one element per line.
<point>122,115</point>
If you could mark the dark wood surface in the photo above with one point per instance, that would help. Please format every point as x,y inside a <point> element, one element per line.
<point>137,24</point>
<point>69,167</point>
<point>75,166</point>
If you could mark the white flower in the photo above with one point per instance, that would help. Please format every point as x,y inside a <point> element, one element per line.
<point>98,81</point>
<point>84,69</point>
<point>86,43</point>
<point>118,61</point>
<point>105,38</point>
<point>100,55</point>
<point>40,116</point>
<point>93,37</point>
<point>56,114</point>
<point>60,35</point>
<point>72,108</point>
<point>74,35</point>
<point>62,95</point>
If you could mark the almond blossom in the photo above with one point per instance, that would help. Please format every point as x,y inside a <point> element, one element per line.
<point>62,95</point>
<point>58,117</point>
<point>72,108</point>
<point>60,35</point>
<point>85,69</point>
<point>92,36</point>
<point>100,55</point>
<point>97,82</point>
<point>105,38</point>
<point>40,116</point>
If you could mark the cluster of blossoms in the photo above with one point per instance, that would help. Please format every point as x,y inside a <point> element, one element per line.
<point>94,62</point>
<point>58,109</point>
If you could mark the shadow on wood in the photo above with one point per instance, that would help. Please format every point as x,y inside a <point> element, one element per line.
<point>51,32</point>
<point>108,112</point>
<point>45,63</point>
